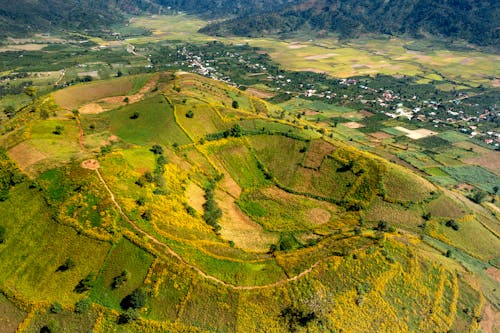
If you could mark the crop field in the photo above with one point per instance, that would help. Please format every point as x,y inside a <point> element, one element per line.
<point>396,216</point>
<point>205,119</point>
<point>473,175</point>
<point>446,207</point>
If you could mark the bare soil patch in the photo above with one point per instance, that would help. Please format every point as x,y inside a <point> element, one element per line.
<point>416,134</point>
<point>317,152</point>
<point>488,159</point>
<point>310,112</point>
<point>239,228</point>
<point>490,322</point>
<point>259,93</point>
<point>321,56</point>
<point>26,155</point>
<point>318,216</point>
<point>295,46</point>
<point>91,108</point>
<point>353,124</point>
<point>365,113</point>
<point>23,47</point>
<point>494,273</point>
<point>90,164</point>
<point>495,83</point>
<point>381,135</point>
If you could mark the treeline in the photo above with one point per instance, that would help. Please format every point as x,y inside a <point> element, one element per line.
<point>475,21</point>
<point>9,175</point>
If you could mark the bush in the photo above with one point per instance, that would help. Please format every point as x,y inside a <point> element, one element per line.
<point>56,308</point>
<point>59,129</point>
<point>190,114</point>
<point>136,300</point>
<point>235,104</point>
<point>120,280</point>
<point>82,305</point>
<point>85,284</point>
<point>134,115</point>
<point>156,149</point>
<point>452,224</point>
<point>129,316</point>
<point>69,263</point>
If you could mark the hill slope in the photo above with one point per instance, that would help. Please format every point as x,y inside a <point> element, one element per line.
<point>213,216</point>
<point>474,21</point>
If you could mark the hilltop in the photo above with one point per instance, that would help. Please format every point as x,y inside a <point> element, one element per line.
<point>173,202</point>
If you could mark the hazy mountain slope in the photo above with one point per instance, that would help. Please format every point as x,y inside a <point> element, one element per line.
<point>474,21</point>
<point>25,16</point>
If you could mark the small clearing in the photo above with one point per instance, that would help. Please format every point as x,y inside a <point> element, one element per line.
<point>260,93</point>
<point>91,108</point>
<point>321,56</point>
<point>381,135</point>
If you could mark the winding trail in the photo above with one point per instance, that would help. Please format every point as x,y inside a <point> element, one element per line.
<point>198,270</point>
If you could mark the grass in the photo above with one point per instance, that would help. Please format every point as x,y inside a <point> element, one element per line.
<point>445,207</point>
<point>155,123</point>
<point>123,256</point>
<point>29,264</point>
<point>402,185</point>
<point>78,95</point>
<point>277,210</point>
<point>205,120</point>
<point>65,321</point>
<point>241,164</point>
<point>397,216</point>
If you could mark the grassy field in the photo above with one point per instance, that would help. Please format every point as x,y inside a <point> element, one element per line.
<point>124,256</point>
<point>155,123</point>
<point>400,185</point>
<point>74,97</point>
<point>30,264</point>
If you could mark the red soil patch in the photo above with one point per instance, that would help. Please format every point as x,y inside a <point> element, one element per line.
<point>366,113</point>
<point>353,124</point>
<point>259,93</point>
<point>317,152</point>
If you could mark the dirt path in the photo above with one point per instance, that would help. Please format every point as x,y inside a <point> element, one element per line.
<point>198,270</point>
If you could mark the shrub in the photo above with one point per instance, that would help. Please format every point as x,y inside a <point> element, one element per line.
<point>85,284</point>
<point>235,105</point>
<point>56,308</point>
<point>120,280</point>
<point>82,305</point>
<point>452,224</point>
<point>134,115</point>
<point>69,263</point>
<point>156,149</point>
<point>58,130</point>
<point>128,316</point>
<point>136,300</point>
<point>190,114</point>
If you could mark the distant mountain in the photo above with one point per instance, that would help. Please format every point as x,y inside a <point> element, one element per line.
<point>476,21</point>
<point>26,16</point>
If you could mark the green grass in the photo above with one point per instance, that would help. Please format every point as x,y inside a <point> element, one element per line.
<point>453,136</point>
<point>155,123</point>
<point>276,210</point>
<point>397,216</point>
<point>29,264</point>
<point>205,120</point>
<point>64,322</point>
<point>241,164</point>
<point>123,256</point>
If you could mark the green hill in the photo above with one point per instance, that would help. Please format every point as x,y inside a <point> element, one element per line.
<point>177,210</point>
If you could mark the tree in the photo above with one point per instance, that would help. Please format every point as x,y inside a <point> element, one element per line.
<point>31,92</point>
<point>10,111</point>
<point>59,129</point>
<point>69,263</point>
<point>190,114</point>
<point>2,234</point>
<point>136,300</point>
<point>134,115</point>
<point>235,104</point>
<point>478,196</point>
<point>85,284</point>
<point>157,149</point>
<point>452,224</point>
